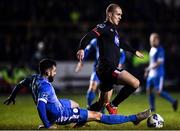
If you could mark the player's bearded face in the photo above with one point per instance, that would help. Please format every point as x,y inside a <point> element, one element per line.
<point>50,78</point>
<point>52,74</point>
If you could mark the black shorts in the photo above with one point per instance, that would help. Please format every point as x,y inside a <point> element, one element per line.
<point>108,77</point>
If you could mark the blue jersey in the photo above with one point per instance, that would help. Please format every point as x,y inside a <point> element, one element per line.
<point>156,54</point>
<point>42,90</point>
<point>89,48</point>
<point>122,56</point>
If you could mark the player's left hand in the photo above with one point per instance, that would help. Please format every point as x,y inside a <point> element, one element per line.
<point>40,127</point>
<point>9,100</point>
<point>139,54</point>
<point>79,66</point>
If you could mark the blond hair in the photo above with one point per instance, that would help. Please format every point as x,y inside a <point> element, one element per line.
<point>111,8</point>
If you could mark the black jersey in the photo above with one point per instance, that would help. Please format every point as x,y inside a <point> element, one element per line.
<point>109,44</point>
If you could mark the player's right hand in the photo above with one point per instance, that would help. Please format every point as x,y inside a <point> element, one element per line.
<point>80,54</point>
<point>139,54</point>
<point>41,127</point>
<point>79,66</point>
<point>53,127</point>
<point>9,100</point>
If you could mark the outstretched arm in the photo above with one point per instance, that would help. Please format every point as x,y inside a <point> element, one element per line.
<point>127,47</point>
<point>96,32</point>
<point>12,97</point>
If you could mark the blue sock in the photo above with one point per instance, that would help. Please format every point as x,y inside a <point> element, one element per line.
<point>117,119</point>
<point>90,97</point>
<point>166,96</point>
<point>152,101</point>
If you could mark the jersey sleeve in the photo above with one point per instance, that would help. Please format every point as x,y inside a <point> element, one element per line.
<point>26,82</point>
<point>43,95</point>
<point>44,92</point>
<point>94,33</point>
<point>42,113</point>
<point>161,55</point>
<point>19,86</point>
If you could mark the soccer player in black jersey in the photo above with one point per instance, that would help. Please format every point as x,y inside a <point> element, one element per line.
<point>109,43</point>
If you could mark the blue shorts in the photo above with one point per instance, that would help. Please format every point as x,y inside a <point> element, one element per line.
<point>72,115</point>
<point>65,103</point>
<point>94,77</point>
<point>155,82</point>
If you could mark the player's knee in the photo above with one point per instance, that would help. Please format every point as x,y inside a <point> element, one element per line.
<point>74,104</point>
<point>136,83</point>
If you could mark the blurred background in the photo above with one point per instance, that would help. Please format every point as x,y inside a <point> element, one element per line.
<point>34,29</point>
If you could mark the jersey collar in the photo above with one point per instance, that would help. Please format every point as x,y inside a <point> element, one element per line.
<point>110,24</point>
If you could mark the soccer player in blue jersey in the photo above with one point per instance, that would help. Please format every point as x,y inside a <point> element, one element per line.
<point>155,73</point>
<point>94,80</point>
<point>54,111</point>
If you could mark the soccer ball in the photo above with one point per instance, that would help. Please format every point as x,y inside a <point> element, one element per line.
<point>155,120</point>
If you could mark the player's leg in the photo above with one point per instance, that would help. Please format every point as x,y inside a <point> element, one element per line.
<point>131,84</point>
<point>110,108</point>
<point>150,93</point>
<point>110,94</point>
<point>120,77</point>
<point>68,103</point>
<point>118,119</point>
<point>98,105</point>
<point>91,93</point>
<point>87,115</point>
<point>104,98</point>
<point>164,94</point>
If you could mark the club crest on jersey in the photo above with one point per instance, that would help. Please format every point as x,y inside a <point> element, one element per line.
<point>116,40</point>
<point>44,95</point>
<point>101,25</point>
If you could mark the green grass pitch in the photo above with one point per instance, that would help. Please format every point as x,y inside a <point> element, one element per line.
<point>23,115</point>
